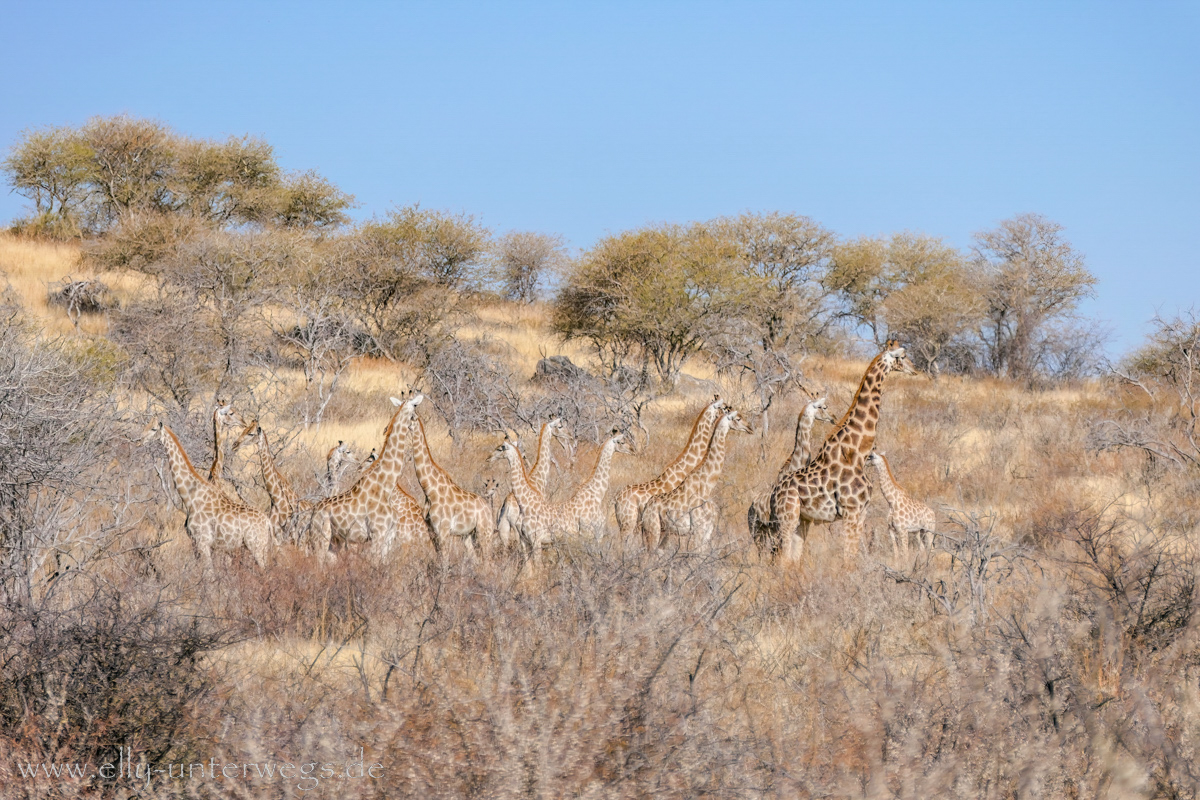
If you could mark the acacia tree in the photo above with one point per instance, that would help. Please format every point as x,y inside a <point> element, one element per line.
<point>659,294</point>
<point>523,259</point>
<point>784,258</point>
<point>51,167</point>
<point>92,178</point>
<point>401,277</point>
<point>1031,281</point>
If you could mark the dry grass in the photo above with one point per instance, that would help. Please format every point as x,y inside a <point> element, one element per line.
<point>609,672</point>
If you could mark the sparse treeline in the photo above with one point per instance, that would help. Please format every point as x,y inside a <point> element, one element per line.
<point>751,292</point>
<point>253,268</point>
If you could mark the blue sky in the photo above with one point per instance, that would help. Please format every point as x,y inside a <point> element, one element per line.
<point>587,118</point>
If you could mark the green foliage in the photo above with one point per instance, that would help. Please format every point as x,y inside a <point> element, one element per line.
<point>913,287</point>
<point>91,179</point>
<point>659,293</point>
<point>50,168</point>
<point>784,257</point>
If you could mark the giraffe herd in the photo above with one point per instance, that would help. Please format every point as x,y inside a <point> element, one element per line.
<point>675,508</point>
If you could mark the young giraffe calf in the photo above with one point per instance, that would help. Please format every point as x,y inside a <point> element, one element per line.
<point>905,515</point>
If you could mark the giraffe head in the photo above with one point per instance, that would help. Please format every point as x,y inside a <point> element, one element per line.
<point>251,431</point>
<point>504,449</point>
<point>875,459</point>
<point>408,408</point>
<point>819,409</point>
<point>620,442</point>
<point>894,357</point>
<point>736,422</point>
<point>489,489</point>
<point>342,454</point>
<point>557,429</point>
<point>227,416</point>
<point>154,432</point>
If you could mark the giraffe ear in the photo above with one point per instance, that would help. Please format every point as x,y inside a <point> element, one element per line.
<point>396,401</point>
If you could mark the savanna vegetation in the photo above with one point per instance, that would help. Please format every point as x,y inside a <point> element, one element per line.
<point>1046,646</point>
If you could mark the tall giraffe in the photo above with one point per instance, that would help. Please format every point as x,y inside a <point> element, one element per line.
<point>367,511</point>
<point>451,511</point>
<point>223,417</point>
<point>632,499</point>
<point>213,519</point>
<point>287,508</point>
<point>585,510</point>
<point>758,516</point>
<point>905,514</point>
<point>539,474</point>
<point>540,522</point>
<point>834,485</point>
<point>687,511</point>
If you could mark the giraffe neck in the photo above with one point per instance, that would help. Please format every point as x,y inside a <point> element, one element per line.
<point>705,474</point>
<point>386,469</point>
<point>696,448</point>
<point>803,446</point>
<point>333,469</point>
<point>518,478</point>
<point>855,431</point>
<point>433,479</point>
<point>188,482</point>
<point>218,464</point>
<point>887,482</point>
<point>283,497</point>
<point>597,484</point>
<point>540,474</point>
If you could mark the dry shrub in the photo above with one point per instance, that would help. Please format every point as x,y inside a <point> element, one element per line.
<point>114,667</point>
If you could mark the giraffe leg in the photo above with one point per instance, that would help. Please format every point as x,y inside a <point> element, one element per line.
<point>258,541</point>
<point>507,521</point>
<point>626,508</point>
<point>852,535</point>
<point>793,544</point>
<point>202,541</point>
<point>785,523</point>
<point>321,534</point>
<point>892,536</point>
<point>653,531</point>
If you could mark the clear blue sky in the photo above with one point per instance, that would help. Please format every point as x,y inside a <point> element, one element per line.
<point>582,119</point>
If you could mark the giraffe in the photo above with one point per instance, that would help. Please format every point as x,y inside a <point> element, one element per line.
<point>539,474</point>
<point>632,499</point>
<point>834,485</point>
<point>585,509</point>
<point>759,514</point>
<point>287,508</point>
<point>540,522</point>
<point>905,514</point>
<point>337,461</point>
<point>451,511</point>
<point>223,417</point>
<point>366,512</point>
<point>687,510</point>
<point>213,519</point>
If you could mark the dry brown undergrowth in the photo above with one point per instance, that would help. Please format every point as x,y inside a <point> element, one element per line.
<point>1047,649</point>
